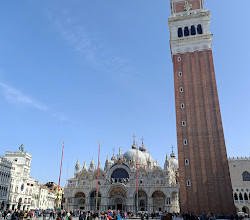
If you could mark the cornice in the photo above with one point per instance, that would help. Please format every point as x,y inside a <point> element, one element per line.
<point>191,44</point>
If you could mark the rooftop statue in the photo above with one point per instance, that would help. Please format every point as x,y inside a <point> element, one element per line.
<point>21,148</point>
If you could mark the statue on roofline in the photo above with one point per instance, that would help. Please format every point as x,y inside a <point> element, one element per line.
<point>21,148</point>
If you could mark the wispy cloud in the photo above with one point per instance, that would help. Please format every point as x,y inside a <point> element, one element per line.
<point>14,95</point>
<point>91,46</point>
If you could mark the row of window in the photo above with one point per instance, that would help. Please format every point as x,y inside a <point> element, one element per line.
<point>4,177</point>
<point>183,123</point>
<point>3,191</point>
<point>187,31</point>
<point>240,196</point>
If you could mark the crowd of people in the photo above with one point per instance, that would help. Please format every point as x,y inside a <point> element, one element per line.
<point>109,215</point>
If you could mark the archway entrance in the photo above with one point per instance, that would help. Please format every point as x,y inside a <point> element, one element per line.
<point>118,204</point>
<point>142,200</point>
<point>93,201</point>
<point>79,200</point>
<point>117,199</point>
<point>245,209</point>
<point>158,201</point>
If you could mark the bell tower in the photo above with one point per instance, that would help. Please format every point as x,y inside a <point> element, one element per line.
<point>205,183</point>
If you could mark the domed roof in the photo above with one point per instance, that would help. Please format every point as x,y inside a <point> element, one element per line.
<point>143,148</point>
<point>131,155</point>
<point>173,160</point>
<point>143,157</point>
<point>148,157</point>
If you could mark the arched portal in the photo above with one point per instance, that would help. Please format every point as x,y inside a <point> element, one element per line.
<point>79,200</point>
<point>245,209</point>
<point>158,201</point>
<point>95,202</point>
<point>117,198</point>
<point>142,201</point>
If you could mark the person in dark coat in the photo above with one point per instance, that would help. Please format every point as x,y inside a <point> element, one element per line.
<point>82,216</point>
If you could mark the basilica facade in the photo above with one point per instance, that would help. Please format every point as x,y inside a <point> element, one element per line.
<point>158,189</point>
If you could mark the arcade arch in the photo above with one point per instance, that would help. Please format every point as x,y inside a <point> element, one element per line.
<point>158,198</point>
<point>92,200</point>
<point>79,200</point>
<point>142,200</point>
<point>117,198</point>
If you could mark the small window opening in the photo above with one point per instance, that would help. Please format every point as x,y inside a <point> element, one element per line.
<point>180,32</point>
<point>245,197</point>
<point>186,32</point>
<point>199,29</point>
<point>240,196</point>
<point>193,31</point>
<point>235,196</point>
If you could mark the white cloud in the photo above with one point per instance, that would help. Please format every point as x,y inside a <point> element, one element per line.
<point>14,95</point>
<point>91,47</point>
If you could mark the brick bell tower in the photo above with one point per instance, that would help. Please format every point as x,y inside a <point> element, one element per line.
<point>205,183</point>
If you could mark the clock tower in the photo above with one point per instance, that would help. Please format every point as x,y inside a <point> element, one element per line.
<point>205,183</point>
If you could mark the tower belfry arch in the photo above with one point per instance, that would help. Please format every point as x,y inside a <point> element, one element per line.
<point>205,183</point>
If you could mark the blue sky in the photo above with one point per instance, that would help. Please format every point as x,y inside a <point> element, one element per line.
<point>87,70</point>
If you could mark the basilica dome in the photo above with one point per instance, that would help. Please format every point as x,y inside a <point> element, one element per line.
<point>149,157</point>
<point>174,160</point>
<point>131,155</point>
<point>143,157</point>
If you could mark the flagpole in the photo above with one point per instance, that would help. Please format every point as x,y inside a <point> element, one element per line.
<point>97,183</point>
<point>60,171</point>
<point>137,184</point>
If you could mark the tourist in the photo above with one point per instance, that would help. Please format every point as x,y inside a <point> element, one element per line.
<point>89,216</point>
<point>118,216</point>
<point>51,215</point>
<point>68,216</point>
<point>82,216</point>
<point>203,216</point>
<point>178,217</point>
<point>142,216</point>
<point>106,216</point>
<point>166,216</point>
<point>8,216</point>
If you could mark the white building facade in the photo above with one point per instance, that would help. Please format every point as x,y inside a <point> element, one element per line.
<point>240,176</point>
<point>5,178</point>
<point>158,189</point>
<point>46,198</point>
<point>22,185</point>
